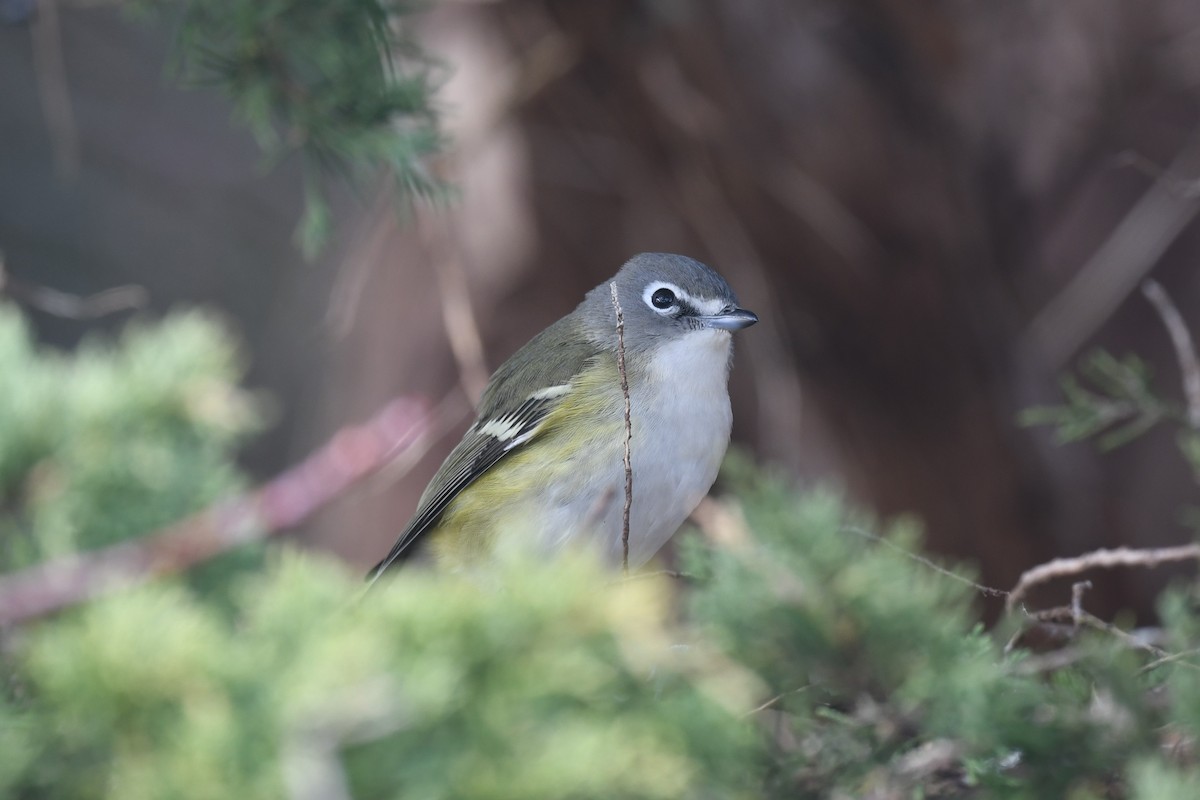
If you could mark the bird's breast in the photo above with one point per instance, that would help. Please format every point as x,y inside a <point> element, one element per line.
<point>569,484</point>
<point>681,421</point>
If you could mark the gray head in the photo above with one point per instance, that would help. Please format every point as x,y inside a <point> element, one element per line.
<point>663,296</point>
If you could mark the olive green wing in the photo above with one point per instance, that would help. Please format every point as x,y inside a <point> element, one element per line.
<point>519,397</point>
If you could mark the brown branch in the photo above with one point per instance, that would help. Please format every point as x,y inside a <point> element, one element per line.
<point>1080,617</point>
<point>1099,559</point>
<point>458,312</point>
<point>1181,340</point>
<point>1135,245</point>
<point>628,429</point>
<point>1055,619</point>
<point>352,454</point>
<point>1183,188</point>
<point>72,306</point>
<point>1077,612</point>
<point>1129,640</point>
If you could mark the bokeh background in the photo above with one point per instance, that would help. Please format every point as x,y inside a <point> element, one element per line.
<point>936,208</point>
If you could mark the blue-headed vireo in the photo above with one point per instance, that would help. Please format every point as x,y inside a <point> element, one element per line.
<point>545,458</point>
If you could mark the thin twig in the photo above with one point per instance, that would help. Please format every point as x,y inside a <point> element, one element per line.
<point>1128,639</point>
<point>979,587</point>
<point>1181,340</point>
<point>1063,622</point>
<point>773,701</point>
<point>458,312</point>
<point>1170,659</point>
<point>628,429</point>
<point>1078,618</point>
<point>1077,590</point>
<point>1099,559</point>
<point>73,306</point>
<point>1046,619</point>
<point>1062,567</point>
<point>352,454</point>
<point>371,242</point>
<point>1059,568</point>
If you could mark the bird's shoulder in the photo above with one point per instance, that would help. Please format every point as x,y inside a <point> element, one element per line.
<point>518,399</point>
<point>550,359</point>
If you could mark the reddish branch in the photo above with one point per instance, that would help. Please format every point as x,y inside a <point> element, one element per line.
<point>351,455</point>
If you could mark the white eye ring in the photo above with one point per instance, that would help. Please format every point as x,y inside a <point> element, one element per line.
<point>663,297</point>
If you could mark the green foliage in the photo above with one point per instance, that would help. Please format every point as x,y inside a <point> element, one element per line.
<point>551,683</point>
<point>1153,780</point>
<point>801,659</point>
<point>117,439</point>
<point>810,663</point>
<point>1112,400</point>
<point>873,656</point>
<point>340,83</point>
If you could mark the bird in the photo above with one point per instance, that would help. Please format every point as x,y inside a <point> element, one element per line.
<point>544,463</point>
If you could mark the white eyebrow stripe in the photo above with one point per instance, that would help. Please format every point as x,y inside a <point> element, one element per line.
<point>708,307</point>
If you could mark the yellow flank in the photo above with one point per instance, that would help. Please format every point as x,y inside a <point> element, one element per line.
<point>516,497</point>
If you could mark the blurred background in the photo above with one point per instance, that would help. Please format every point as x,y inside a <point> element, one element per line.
<point>935,208</point>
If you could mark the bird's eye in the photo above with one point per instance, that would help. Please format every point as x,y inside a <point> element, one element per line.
<point>662,299</point>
